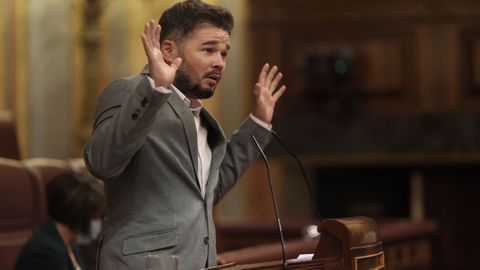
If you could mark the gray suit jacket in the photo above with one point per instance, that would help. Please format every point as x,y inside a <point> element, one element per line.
<point>144,147</point>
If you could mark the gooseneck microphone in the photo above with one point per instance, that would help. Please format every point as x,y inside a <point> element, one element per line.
<point>305,177</point>
<point>285,264</point>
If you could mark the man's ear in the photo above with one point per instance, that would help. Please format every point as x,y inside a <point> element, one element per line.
<point>169,50</point>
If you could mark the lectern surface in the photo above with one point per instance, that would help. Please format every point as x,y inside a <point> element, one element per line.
<point>321,264</point>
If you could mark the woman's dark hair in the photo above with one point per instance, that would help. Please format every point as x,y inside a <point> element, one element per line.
<point>182,18</point>
<point>75,200</point>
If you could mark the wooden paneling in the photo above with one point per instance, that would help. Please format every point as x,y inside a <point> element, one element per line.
<point>475,81</point>
<point>469,71</point>
<point>472,61</point>
<point>383,64</point>
<point>411,94</point>
<point>378,72</point>
<point>406,54</point>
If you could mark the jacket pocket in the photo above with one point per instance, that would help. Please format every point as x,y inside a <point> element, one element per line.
<point>150,241</point>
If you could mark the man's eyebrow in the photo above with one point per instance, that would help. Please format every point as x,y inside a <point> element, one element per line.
<point>214,42</point>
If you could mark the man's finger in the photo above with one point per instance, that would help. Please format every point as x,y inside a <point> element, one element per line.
<point>269,78</point>
<point>151,34</point>
<point>263,74</point>
<point>276,96</point>
<point>276,80</point>
<point>145,38</point>
<point>153,26</point>
<point>145,44</point>
<point>157,35</point>
<point>257,89</point>
<point>176,63</point>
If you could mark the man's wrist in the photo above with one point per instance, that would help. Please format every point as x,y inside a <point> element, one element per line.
<point>160,89</point>
<point>265,125</point>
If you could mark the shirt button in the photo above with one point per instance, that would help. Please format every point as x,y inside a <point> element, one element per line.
<point>205,240</point>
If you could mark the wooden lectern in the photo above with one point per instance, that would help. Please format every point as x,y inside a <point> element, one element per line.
<point>355,240</point>
<point>344,244</point>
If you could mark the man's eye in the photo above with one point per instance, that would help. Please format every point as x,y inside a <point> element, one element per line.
<point>209,50</point>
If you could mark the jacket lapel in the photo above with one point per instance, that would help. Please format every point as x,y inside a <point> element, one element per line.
<point>217,142</point>
<point>188,123</point>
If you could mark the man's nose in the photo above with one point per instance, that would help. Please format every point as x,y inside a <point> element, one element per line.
<point>219,61</point>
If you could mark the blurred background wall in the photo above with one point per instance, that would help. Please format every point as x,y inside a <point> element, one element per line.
<point>382,102</point>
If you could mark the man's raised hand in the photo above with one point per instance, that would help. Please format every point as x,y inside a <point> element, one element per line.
<point>266,93</point>
<point>161,72</point>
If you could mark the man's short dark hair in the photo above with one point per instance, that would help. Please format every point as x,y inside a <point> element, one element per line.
<point>75,200</point>
<point>181,19</point>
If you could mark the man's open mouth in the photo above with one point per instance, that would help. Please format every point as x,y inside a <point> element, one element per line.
<point>214,76</point>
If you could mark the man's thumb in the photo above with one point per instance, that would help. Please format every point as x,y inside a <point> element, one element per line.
<point>176,63</point>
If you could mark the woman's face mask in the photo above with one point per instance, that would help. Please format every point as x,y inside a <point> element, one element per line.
<point>95,230</point>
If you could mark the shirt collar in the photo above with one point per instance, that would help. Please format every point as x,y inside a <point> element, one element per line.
<point>194,105</point>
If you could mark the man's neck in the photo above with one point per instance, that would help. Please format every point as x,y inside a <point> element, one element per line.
<point>193,103</point>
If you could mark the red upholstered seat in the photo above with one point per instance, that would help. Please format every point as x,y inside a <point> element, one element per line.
<point>20,201</point>
<point>46,169</point>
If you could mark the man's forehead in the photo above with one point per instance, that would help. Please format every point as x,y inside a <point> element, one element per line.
<point>208,33</point>
<point>207,25</point>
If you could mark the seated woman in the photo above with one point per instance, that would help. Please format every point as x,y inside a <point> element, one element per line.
<point>74,202</point>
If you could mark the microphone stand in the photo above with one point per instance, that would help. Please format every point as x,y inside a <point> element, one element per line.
<point>305,177</point>
<point>285,263</point>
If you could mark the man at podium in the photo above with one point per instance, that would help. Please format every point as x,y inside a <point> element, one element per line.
<point>165,161</point>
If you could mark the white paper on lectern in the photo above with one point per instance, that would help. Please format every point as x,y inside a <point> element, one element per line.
<point>302,258</point>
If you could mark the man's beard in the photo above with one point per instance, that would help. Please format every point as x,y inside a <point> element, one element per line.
<point>184,83</point>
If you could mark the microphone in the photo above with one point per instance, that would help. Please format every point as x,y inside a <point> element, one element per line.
<point>305,177</point>
<point>285,263</point>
